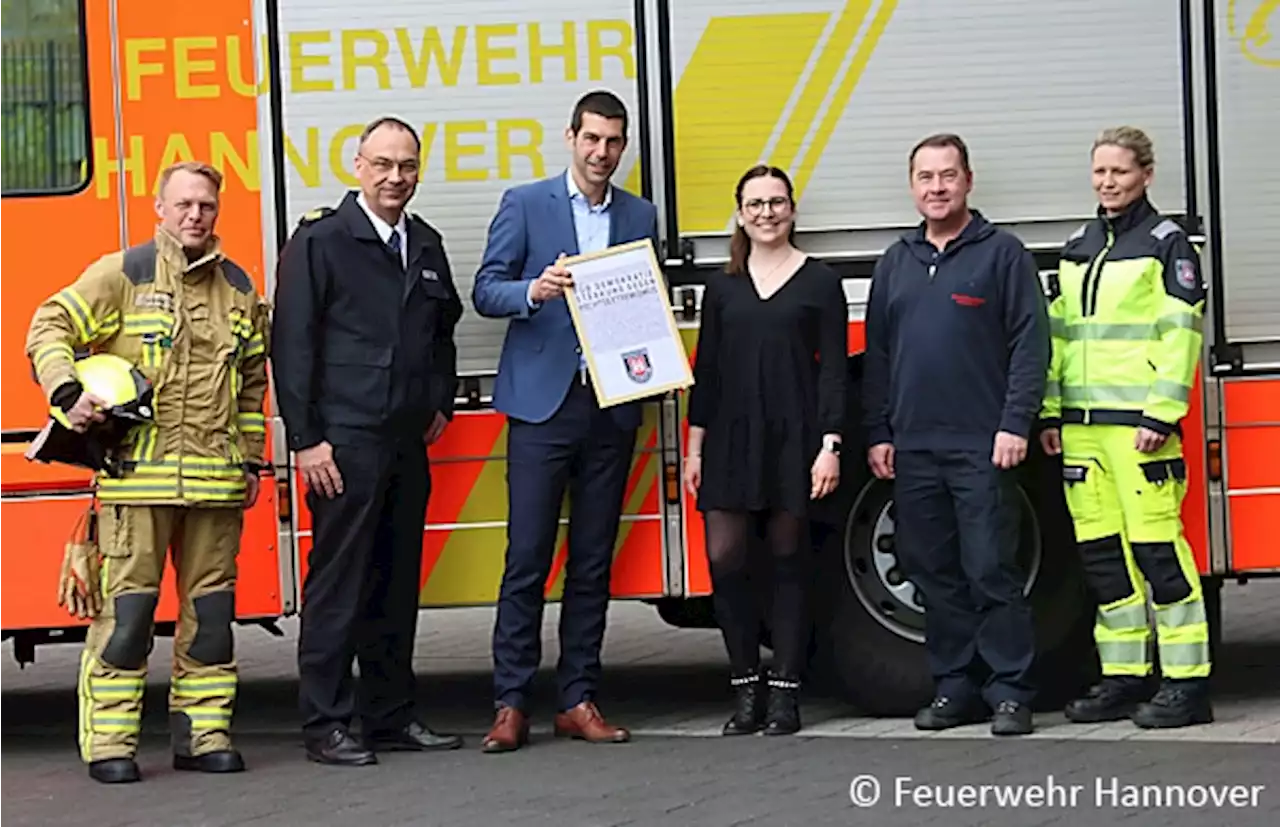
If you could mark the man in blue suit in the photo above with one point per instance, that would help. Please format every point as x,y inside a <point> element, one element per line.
<point>558,436</point>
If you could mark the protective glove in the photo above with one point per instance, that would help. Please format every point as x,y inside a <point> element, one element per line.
<point>80,585</point>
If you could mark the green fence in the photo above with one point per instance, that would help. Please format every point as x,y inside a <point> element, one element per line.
<point>42,116</point>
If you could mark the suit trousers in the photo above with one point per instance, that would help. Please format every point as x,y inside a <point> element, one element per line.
<point>957,537</point>
<point>582,449</point>
<point>360,596</point>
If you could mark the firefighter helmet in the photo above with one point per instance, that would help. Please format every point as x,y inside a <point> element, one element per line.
<point>128,397</point>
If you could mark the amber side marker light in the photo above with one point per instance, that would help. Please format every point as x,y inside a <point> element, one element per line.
<point>1215,459</point>
<point>284,506</point>
<point>672,480</point>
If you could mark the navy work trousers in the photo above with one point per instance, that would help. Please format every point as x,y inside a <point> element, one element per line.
<point>957,538</point>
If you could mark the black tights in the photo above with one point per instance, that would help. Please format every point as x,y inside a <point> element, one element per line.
<point>737,609</point>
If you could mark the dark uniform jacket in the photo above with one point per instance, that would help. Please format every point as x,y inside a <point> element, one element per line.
<point>360,345</point>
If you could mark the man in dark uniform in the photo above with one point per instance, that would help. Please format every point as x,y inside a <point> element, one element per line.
<point>365,368</point>
<point>956,360</point>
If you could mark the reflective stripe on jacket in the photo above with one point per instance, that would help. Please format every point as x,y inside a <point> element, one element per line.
<point>197,330</point>
<point>1126,317</point>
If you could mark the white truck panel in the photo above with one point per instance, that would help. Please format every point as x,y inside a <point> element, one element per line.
<point>1249,129</point>
<point>476,103</point>
<point>1027,84</point>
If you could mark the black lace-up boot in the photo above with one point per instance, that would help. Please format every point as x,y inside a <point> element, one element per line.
<point>783,715</point>
<point>1113,699</point>
<point>748,714</point>
<point>1179,703</point>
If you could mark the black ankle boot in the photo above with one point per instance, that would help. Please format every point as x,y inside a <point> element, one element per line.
<point>783,715</point>
<point>748,714</point>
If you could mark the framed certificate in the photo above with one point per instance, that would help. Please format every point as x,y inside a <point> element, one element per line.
<point>621,311</point>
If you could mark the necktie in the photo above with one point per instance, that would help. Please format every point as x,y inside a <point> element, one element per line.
<point>393,243</point>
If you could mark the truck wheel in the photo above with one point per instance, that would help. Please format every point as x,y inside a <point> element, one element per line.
<point>874,643</point>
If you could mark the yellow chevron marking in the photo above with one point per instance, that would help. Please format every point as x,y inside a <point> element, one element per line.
<point>731,94</point>
<point>469,568</point>
<point>470,565</point>
<point>843,93</point>
<point>819,83</point>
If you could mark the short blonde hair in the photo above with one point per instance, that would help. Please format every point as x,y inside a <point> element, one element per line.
<point>193,167</point>
<point>1131,138</point>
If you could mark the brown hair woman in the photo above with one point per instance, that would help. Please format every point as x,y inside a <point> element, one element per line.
<point>765,419</point>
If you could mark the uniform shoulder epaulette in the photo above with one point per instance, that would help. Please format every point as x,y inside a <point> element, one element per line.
<point>139,264</point>
<point>1165,229</point>
<point>312,216</point>
<point>236,276</point>
<point>1079,233</point>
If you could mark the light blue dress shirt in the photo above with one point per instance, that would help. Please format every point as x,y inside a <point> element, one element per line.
<point>590,224</point>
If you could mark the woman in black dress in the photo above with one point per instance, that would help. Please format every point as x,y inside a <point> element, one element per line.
<point>765,416</point>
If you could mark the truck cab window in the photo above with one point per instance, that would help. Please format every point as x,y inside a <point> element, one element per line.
<point>45,98</point>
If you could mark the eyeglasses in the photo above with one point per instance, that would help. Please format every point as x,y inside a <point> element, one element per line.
<point>756,205</point>
<point>385,165</point>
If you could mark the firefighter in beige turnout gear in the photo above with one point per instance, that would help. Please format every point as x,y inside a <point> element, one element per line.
<point>192,322</point>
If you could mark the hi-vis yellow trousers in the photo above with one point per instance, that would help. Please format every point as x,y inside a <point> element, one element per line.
<point>1126,506</point>
<point>135,540</point>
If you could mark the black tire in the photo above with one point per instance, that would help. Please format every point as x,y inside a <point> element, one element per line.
<point>871,650</point>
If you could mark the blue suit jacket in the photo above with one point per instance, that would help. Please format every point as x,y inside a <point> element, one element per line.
<point>533,226</point>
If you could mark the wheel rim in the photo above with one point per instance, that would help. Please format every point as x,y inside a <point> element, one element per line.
<point>877,578</point>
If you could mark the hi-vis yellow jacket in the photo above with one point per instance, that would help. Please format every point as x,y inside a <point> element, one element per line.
<point>1126,319</point>
<point>198,331</point>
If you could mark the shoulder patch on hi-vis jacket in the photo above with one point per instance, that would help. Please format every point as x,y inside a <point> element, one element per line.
<point>1184,272</point>
<point>1165,229</point>
<point>312,216</point>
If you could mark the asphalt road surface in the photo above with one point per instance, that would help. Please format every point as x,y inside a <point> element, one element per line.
<point>668,685</point>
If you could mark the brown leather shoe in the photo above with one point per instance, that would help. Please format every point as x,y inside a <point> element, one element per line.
<point>510,731</point>
<point>585,722</point>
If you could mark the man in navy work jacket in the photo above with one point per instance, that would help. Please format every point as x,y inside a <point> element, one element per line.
<point>558,436</point>
<point>365,368</point>
<point>957,353</point>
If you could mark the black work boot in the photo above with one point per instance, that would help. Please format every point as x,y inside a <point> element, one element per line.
<point>1012,718</point>
<point>223,760</point>
<point>945,713</point>
<point>1179,703</point>
<point>748,714</point>
<point>115,771</point>
<point>1115,698</point>
<point>782,716</point>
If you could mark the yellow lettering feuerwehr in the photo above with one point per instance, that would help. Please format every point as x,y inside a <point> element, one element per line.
<point>566,51</point>
<point>134,68</point>
<point>299,62</point>
<point>236,70</point>
<point>487,53</point>
<point>417,64</point>
<point>184,66</point>
<point>609,39</point>
<point>375,60</point>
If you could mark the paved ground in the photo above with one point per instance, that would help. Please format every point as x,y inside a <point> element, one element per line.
<point>668,685</point>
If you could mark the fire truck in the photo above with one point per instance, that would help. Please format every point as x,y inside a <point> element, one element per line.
<point>100,95</point>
